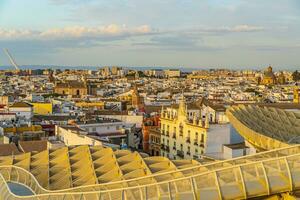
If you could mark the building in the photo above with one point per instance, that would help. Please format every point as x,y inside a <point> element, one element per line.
<point>149,124</point>
<point>136,100</point>
<point>172,73</point>
<point>268,77</point>
<point>42,108</point>
<point>180,136</point>
<point>97,105</point>
<point>4,100</point>
<point>281,79</point>
<point>22,110</point>
<point>296,94</point>
<point>71,88</point>
<point>154,141</point>
<point>72,135</point>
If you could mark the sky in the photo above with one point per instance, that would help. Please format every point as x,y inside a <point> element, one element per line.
<point>188,33</point>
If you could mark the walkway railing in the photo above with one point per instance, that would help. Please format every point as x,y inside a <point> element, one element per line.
<point>20,175</point>
<point>254,179</point>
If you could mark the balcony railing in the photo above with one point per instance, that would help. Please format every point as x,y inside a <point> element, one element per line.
<point>195,141</point>
<point>188,153</point>
<point>167,148</point>
<point>163,132</point>
<point>180,153</point>
<point>167,133</point>
<point>174,136</point>
<point>188,140</point>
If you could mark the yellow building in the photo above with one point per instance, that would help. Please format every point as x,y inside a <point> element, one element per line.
<point>42,108</point>
<point>98,105</point>
<point>181,137</point>
<point>269,78</point>
<point>296,94</point>
<point>22,129</point>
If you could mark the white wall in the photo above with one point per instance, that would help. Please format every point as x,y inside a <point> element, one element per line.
<point>130,119</point>
<point>26,113</point>
<point>103,128</point>
<point>72,138</point>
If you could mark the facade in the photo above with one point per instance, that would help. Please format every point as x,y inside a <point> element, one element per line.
<point>269,78</point>
<point>136,99</point>
<point>4,100</point>
<point>297,94</point>
<point>148,125</point>
<point>90,105</point>
<point>22,110</point>
<point>171,73</point>
<point>154,141</point>
<point>180,136</point>
<point>42,108</point>
<point>72,88</point>
<point>72,135</point>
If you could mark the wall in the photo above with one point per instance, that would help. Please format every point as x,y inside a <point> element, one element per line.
<point>72,138</point>
<point>42,108</point>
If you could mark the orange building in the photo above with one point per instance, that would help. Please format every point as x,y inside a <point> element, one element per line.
<point>148,125</point>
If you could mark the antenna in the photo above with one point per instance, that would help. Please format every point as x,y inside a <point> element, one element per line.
<point>11,59</point>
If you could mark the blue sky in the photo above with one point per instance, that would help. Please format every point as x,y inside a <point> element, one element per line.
<point>189,33</point>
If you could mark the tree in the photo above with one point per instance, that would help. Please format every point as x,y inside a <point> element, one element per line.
<point>296,76</point>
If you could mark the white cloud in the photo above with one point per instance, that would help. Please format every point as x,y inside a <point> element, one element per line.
<point>246,28</point>
<point>74,32</point>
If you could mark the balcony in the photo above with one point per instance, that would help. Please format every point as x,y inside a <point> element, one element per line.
<point>167,149</point>
<point>195,141</point>
<point>162,147</point>
<point>174,136</point>
<point>188,140</point>
<point>167,133</point>
<point>201,145</point>
<point>180,154</point>
<point>188,153</point>
<point>174,148</point>
<point>163,132</point>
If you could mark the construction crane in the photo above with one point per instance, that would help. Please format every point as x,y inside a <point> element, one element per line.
<point>11,59</point>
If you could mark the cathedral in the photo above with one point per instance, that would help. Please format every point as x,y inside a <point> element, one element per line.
<point>269,77</point>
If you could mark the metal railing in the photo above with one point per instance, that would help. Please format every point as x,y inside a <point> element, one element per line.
<point>194,170</point>
<point>251,179</point>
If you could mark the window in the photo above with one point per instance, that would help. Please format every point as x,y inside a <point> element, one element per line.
<point>202,137</point>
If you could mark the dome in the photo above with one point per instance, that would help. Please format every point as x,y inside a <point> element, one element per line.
<point>269,73</point>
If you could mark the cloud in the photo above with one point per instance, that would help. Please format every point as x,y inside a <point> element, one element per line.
<point>76,32</point>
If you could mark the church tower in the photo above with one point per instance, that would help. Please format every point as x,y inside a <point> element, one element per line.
<point>136,99</point>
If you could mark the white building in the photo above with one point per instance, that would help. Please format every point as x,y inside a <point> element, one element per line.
<point>72,135</point>
<point>22,110</point>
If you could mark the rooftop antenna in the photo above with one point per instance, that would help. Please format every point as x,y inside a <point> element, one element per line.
<point>11,59</point>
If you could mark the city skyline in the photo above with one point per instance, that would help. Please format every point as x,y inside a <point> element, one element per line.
<point>186,33</point>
